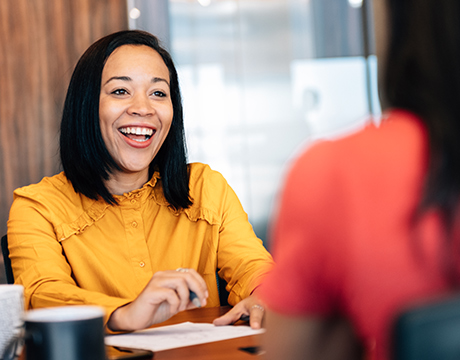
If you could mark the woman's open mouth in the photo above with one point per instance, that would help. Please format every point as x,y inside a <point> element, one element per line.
<point>139,134</point>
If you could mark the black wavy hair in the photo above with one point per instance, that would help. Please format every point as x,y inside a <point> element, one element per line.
<point>85,159</point>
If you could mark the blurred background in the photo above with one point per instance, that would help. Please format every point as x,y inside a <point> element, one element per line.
<point>260,80</point>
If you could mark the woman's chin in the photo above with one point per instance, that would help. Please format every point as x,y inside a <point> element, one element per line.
<point>133,170</point>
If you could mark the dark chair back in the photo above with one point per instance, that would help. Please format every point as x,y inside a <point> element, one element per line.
<point>221,288</point>
<point>429,332</point>
<point>7,261</point>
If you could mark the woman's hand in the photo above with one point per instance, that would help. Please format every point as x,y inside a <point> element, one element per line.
<point>166,294</point>
<point>250,306</point>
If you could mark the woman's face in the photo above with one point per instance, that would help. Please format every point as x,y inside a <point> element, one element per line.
<point>135,107</point>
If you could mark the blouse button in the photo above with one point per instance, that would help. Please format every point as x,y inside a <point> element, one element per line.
<point>142,264</point>
<point>134,224</point>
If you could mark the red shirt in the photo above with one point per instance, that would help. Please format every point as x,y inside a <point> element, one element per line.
<point>344,238</point>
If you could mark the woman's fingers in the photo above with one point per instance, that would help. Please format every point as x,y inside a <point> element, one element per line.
<point>232,316</point>
<point>197,289</point>
<point>183,281</point>
<point>256,315</point>
<point>163,302</point>
<point>167,293</point>
<point>150,307</point>
<point>247,307</point>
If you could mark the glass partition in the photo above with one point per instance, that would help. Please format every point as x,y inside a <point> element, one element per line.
<point>262,79</point>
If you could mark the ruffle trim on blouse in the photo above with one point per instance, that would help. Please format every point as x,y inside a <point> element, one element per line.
<point>97,210</point>
<point>88,218</point>
<point>193,213</point>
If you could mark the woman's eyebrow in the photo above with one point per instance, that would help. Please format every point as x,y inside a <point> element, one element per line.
<point>123,78</point>
<point>159,79</point>
<point>127,78</point>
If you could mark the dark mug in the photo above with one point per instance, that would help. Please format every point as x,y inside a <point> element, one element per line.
<point>65,333</point>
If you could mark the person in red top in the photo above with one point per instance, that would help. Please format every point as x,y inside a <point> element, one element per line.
<point>366,225</point>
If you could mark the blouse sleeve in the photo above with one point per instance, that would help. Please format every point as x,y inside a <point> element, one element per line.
<point>39,263</point>
<point>242,259</point>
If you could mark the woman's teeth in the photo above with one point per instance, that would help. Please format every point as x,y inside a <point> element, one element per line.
<point>146,133</point>
<point>137,131</point>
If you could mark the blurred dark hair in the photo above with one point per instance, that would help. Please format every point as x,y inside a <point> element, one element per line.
<point>84,156</point>
<point>423,75</point>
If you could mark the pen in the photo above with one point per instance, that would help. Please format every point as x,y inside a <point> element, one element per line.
<point>194,299</point>
<point>244,318</point>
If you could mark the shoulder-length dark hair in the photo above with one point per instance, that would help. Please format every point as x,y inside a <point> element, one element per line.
<point>422,74</point>
<point>85,159</point>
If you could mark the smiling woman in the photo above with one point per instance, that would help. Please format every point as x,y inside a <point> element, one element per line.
<point>85,148</point>
<point>135,103</point>
<point>128,210</point>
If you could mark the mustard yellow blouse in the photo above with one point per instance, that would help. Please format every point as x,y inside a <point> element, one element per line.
<point>68,249</point>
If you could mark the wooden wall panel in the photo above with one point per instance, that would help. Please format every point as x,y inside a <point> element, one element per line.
<point>40,43</point>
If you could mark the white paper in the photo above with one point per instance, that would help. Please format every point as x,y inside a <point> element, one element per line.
<point>179,335</point>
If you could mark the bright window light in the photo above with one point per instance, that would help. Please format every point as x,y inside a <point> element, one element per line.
<point>355,3</point>
<point>204,2</point>
<point>134,13</point>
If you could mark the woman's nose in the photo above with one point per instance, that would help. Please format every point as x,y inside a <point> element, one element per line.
<point>141,106</point>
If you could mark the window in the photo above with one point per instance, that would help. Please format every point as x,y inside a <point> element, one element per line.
<point>262,78</point>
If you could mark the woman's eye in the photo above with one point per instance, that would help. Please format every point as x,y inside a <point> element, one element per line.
<point>120,92</point>
<point>159,93</point>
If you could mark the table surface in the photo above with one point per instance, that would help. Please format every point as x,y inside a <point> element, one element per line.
<point>219,350</point>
